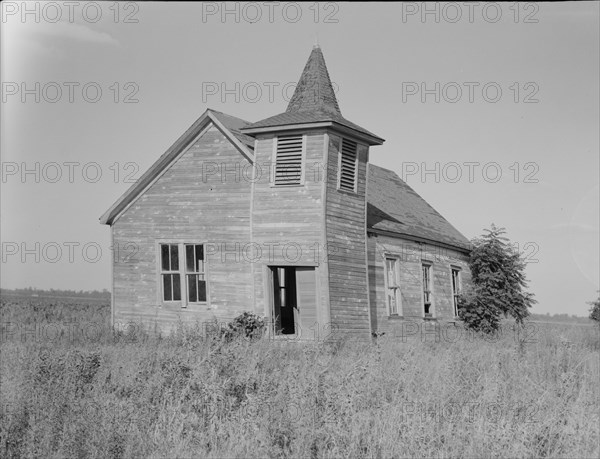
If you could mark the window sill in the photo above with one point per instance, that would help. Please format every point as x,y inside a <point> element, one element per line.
<point>184,306</point>
<point>180,305</point>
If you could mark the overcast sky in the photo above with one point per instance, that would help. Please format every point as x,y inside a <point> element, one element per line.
<point>499,103</point>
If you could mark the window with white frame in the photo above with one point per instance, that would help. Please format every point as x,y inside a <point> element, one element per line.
<point>289,152</point>
<point>393,286</point>
<point>348,166</point>
<point>455,289</point>
<point>427,290</point>
<point>183,273</point>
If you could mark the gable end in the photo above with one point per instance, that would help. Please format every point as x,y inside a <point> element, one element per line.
<point>181,145</point>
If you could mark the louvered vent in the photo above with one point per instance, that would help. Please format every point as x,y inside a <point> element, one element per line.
<point>348,165</point>
<point>288,163</point>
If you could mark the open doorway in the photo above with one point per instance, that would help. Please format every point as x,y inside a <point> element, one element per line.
<point>285,307</point>
<point>294,305</point>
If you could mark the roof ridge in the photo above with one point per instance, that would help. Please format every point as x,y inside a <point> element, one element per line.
<point>228,115</point>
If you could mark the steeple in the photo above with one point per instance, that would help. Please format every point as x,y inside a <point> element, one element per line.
<point>313,105</point>
<point>314,91</point>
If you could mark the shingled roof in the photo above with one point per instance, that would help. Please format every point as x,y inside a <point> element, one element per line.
<point>313,101</point>
<point>394,207</point>
<point>234,125</point>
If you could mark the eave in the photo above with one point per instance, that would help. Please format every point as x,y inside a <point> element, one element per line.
<point>370,140</point>
<point>423,240</point>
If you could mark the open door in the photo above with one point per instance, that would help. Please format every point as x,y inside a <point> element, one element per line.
<point>294,308</point>
<point>306,288</point>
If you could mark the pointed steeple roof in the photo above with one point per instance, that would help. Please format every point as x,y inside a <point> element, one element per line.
<point>314,91</point>
<point>313,104</point>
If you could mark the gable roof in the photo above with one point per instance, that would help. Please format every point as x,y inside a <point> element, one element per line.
<point>228,125</point>
<point>394,207</point>
<point>313,101</point>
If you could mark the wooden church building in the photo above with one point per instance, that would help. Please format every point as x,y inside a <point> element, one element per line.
<point>286,218</point>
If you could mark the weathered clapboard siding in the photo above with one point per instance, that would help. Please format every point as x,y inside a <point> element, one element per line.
<point>411,255</point>
<point>287,221</point>
<point>345,228</point>
<point>188,203</point>
<point>218,193</point>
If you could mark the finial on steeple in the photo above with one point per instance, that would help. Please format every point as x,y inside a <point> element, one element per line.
<point>316,45</point>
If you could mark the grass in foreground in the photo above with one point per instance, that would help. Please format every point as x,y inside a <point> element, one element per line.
<point>105,395</point>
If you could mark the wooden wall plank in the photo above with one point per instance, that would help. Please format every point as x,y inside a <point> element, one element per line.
<point>345,224</point>
<point>203,197</point>
<point>411,254</point>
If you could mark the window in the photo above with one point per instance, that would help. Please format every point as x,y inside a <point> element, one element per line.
<point>171,280</point>
<point>455,289</point>
<point>392,286</point>
<point>188,259</point>
<point>288,160</point>
<point>348,165</point>
<point>427,284</point>
<point>194,271</point>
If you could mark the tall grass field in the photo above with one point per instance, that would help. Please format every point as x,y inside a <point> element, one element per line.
<point>73,387</point>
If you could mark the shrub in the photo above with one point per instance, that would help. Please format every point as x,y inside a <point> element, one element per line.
<point>247,324</point>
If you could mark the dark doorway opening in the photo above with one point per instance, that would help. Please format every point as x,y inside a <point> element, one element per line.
<point>285,307</point>
<point>294,303</point>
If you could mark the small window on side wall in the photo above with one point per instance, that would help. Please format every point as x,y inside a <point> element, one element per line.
<point>455,289</point>
<point>427,290</point>
<point>393,286</point>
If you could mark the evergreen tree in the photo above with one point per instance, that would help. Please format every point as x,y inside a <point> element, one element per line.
<point>499,283</point>
<point>595,310</point>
